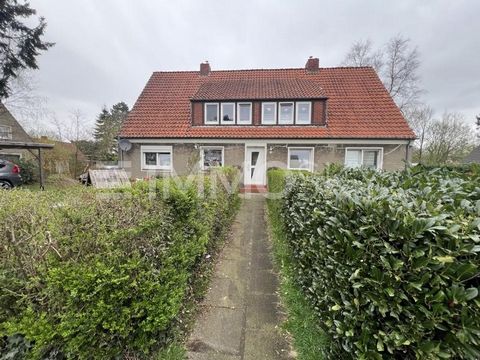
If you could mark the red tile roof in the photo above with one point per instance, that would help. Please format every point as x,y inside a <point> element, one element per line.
<point>261,88</point>
<point>358,104</point>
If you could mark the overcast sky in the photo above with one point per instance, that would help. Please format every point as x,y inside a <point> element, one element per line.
<point>106,49</point>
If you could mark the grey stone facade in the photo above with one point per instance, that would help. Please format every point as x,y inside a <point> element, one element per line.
<point>186,156</point>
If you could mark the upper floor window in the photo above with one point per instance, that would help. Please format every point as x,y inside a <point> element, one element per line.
<point>304,113</point>
<point>285,113</point>
<point>269,113</point>
<point>228,113</point>
<point>5,132</point>
<point>244,113</point>
<point>211,113</point>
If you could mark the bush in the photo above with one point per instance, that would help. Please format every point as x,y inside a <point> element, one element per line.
<point>96,274</point>
<point>390,261</point>
<point>28,170</point>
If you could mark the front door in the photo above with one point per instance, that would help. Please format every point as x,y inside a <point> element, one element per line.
<point>255,173</point>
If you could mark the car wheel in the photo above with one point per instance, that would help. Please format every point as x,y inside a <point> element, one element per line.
<point>5,185</point>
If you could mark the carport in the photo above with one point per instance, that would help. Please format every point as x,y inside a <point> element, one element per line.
<point>31,147</point>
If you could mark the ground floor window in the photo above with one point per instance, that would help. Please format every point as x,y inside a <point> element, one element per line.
<point>300,158</point>
<point>10,157</point>
<point>156,157</point>
<point>364,157</point>
<point>211,157</point>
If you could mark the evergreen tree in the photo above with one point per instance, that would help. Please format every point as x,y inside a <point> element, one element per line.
<point>20,44</point>
<point>107,127</point>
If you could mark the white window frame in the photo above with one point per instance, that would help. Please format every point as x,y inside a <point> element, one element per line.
<point>202,155</point>
<point>362,149</point>
<point>156,149</point>
<point>274,113</point>
<point>296,112</point>
<point>8,131</point>
<point>312,163</point>
<point>218,113</point>
<point>231,122</point>
<point>239,121</point>
<point>292,120</point>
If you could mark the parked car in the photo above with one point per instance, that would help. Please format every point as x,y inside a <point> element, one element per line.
<point>9,175</point>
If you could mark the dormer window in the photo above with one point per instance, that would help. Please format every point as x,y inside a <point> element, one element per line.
<point>304,113</point>
<point>228,113</point>
<point>269,113</point>
<point>285,113</point>
<point>244,113</point>
<point>211,113</point>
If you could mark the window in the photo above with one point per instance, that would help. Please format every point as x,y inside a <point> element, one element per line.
<point>285,113</point>
<point>269,113</point>
<point>304,113</point>
<point>244,113</point>
<point>156,157</point>
<point>368,157</point>
<point>211,113</point>
<point>5,132</point>
<point>300,159</point>
<point>228,113</point>
<point>211,157</point>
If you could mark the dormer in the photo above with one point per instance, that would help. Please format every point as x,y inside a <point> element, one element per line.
<point>275,100</point>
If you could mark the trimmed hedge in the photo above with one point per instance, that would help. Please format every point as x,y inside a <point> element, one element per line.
<point>390,261</point>
<point>95,274</point>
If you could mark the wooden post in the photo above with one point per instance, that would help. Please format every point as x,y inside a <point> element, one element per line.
<point>40,168</point>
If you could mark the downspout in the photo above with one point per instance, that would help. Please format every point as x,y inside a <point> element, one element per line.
<point>407,155</point>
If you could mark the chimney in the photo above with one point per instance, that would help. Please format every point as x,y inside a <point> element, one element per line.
<point>312,64</point>
<point>205,68</point>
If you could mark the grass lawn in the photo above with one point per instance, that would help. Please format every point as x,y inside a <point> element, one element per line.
<point>302,324</point>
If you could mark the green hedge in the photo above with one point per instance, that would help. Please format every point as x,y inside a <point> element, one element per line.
<point>390,261</point>
<point>94,274</point>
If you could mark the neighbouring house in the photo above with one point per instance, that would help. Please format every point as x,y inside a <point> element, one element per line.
<point>11,130</point>
<point>474,156</point>
<point>300,118</point>
<point>64,159</point>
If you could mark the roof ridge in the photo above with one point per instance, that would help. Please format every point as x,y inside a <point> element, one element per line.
<point>261,69</point>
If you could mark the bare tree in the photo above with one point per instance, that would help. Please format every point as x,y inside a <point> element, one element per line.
<point>361,53</point>
<point>421,120</point>
<point>399,73</point>
<point>396,63</point>
<point>450,139</point>
<point>25,103</point>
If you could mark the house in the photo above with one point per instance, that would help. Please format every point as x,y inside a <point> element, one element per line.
<point>64,159</point>
<point>11,130</point>
<point>300,118</point>
<point>473,157</point>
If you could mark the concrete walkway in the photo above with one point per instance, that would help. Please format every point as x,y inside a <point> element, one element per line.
<point>240,318</point>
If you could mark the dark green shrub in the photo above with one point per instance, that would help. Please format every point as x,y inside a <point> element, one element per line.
<point>95,274</point>
<point>390,260</point>
<point>28,170</point>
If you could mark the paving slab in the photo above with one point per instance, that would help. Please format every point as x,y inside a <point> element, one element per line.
<point>226,292</point>
<point>211,356</point>
<point>234,269</point>
<point>262,311</point>
<point>219,330</point>
<point>266,344</point>
<point>263,282</point>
